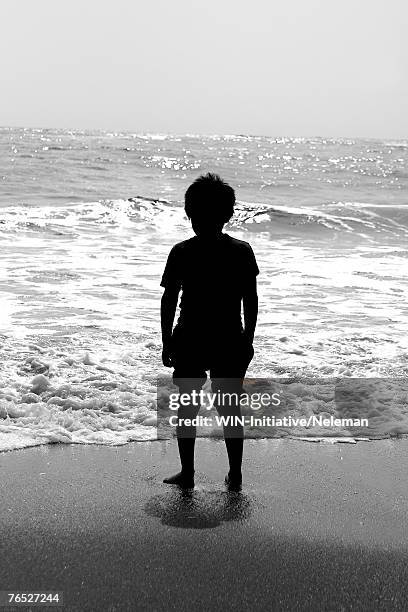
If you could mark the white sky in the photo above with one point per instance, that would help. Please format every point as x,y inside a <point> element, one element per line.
<point>273,67</point>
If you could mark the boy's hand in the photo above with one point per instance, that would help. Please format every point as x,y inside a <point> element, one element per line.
<point>167,357</point>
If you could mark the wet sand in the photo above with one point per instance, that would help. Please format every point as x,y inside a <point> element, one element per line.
<point>317,527</point>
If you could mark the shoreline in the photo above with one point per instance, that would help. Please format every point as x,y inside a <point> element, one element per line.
<point>323,440</point>
<point>318,526</point>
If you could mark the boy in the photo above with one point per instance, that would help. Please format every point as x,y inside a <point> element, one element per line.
<point>216,274</point>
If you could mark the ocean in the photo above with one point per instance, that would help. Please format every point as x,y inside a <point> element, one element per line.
<point>86,222</point>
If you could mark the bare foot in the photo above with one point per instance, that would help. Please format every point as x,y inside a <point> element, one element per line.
<point>185,481</point>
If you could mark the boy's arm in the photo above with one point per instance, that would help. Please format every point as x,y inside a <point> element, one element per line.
<point>250,305</point>
<point>167,313</point>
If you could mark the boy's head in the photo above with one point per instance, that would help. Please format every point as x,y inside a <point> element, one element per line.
<point>209,204</point>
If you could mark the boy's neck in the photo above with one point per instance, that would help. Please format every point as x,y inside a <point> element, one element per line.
<point>210,237</point>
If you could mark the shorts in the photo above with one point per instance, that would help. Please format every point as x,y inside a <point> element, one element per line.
<point>225,355</point>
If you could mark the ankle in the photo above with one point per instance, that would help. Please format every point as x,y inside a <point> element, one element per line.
<point>187,471</point>
<point>235,474</point>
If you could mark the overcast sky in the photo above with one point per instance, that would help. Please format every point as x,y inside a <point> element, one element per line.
<point>273,67</point>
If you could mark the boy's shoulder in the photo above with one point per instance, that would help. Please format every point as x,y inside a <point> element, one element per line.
<point>242,245</point>
<point>183,245</point>
<point>227,241</point>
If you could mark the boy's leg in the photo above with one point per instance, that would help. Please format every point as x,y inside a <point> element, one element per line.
<point>227,376</point>
<point>186,434</point>
<point>229,391</point>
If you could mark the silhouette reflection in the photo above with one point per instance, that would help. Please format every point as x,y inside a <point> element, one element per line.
<point>195,509</point>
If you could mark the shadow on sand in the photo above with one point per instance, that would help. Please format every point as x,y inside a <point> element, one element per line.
<point>196,509</point>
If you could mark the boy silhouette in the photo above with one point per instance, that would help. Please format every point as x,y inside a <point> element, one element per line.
<point>217,275</point>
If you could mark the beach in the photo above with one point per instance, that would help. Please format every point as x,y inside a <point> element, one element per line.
<point>318,526</point>
<point>88,218</point>
<point>203,232</point>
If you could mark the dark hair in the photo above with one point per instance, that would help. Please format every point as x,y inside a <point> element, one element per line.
<point>210,194</point>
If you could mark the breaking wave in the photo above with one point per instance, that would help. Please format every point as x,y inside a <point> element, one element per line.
<point>369,221</point>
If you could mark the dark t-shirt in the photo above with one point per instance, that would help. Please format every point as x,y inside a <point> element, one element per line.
<point>212,276</point>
